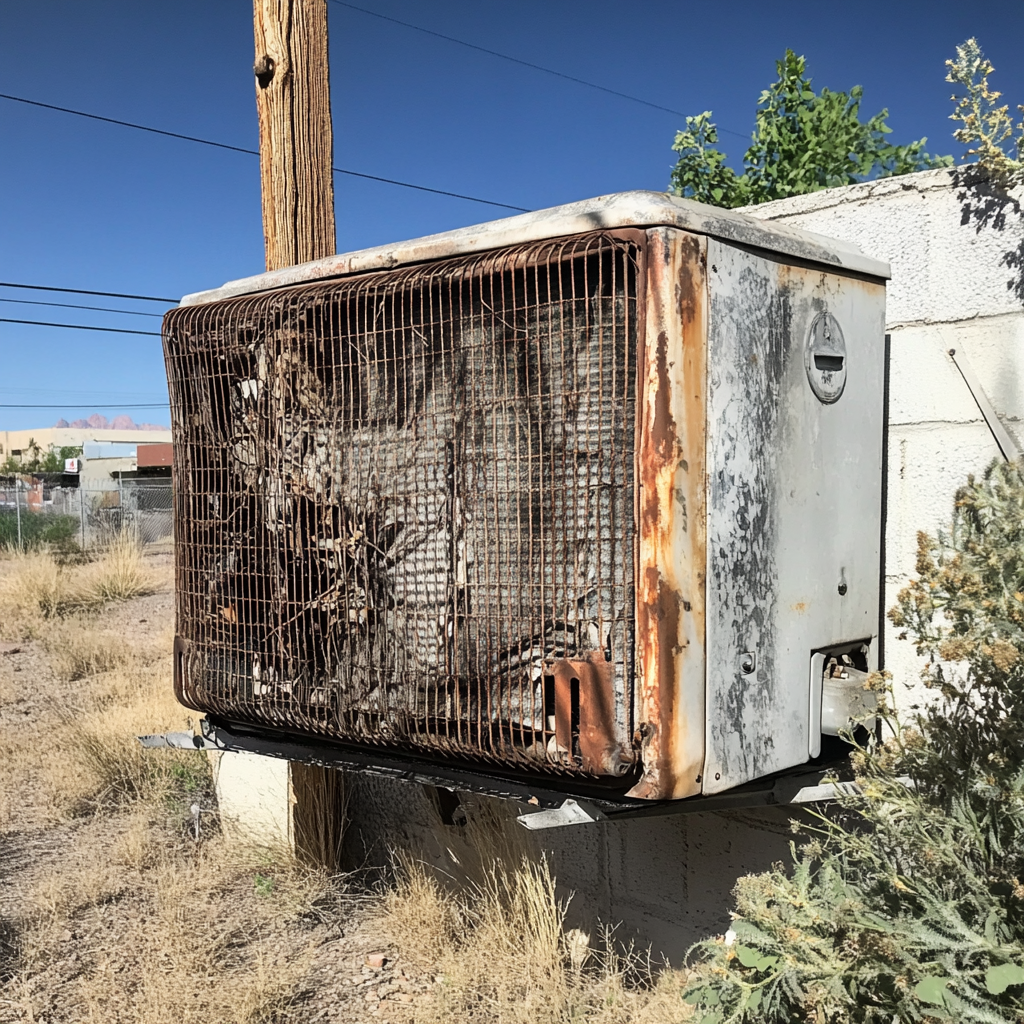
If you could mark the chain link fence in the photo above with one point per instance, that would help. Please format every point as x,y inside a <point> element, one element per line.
<point>34,511</point>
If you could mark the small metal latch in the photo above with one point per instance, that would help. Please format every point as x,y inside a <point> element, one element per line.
<point>570,813</point>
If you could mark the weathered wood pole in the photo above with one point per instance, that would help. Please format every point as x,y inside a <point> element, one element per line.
<point>293,101</point>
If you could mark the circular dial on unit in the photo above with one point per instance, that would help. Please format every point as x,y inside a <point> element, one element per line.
<point>825,358</point>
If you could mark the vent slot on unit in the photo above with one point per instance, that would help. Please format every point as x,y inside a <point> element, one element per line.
<point>405,506</point>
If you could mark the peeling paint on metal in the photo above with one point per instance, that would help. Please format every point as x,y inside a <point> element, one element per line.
<point>670,601</point>
<point>794,502</point>
<point>622,210</point>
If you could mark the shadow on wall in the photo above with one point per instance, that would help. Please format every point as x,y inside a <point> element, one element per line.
<point>985,205</point>
<point>665,882</point>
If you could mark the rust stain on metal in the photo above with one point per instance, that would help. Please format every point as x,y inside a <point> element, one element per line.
<point>671,476</point>
<point>585,715</point>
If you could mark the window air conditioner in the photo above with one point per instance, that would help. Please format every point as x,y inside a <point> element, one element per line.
<point>588,498</point>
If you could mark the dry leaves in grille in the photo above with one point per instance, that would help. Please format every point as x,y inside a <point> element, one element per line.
<point>403,498</point>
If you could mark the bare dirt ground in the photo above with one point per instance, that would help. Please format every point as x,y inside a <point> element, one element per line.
<point>110,910</point>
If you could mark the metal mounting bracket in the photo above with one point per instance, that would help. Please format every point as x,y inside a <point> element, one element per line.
<point>178,740</point>
<point>572,812</point>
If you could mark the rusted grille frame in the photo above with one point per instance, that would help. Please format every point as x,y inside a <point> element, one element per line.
<point>248,460</point>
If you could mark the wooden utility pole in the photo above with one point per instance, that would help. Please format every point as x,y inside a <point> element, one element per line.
<point>293,101</point>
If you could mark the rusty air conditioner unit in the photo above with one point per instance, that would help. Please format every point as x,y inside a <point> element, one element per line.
<point>583,501</point>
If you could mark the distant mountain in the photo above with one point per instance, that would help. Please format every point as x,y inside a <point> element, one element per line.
<point>99,422</point>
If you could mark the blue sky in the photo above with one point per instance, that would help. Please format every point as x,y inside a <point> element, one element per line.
<point>90,205</point>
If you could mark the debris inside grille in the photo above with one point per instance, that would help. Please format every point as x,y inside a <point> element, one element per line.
<point>405,506</point>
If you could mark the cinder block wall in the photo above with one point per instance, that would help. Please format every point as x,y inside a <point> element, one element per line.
<point>956,255</point>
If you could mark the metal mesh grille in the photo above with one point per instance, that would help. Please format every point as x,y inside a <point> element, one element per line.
<point>405,505</point>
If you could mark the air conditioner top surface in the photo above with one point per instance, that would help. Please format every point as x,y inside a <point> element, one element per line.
<point>621,210</point>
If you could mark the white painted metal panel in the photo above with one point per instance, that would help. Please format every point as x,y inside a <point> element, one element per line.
<point>794,502</point>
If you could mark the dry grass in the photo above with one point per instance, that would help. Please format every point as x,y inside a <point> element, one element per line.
<point>126,918</point>
<point>35,588</point>
<point>199,935</point>
<point>92,757</point>
<point>131,920</point>
<point>504,955</point>
<point>119,575</point>
<point>77,652</point>
<point>180,939</point>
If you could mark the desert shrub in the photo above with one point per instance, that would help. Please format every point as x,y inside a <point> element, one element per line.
<point>986,126</point>
<point>37,585</point>
<point>907,902</point>
<point>119,575</point>
<point>36,530</point>
<point>33,588</point>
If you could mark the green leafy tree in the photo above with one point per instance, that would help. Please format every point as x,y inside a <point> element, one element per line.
<point>985,125</point>
<point>53,461</point>
<point>803,141</point>
<point>907,902</point>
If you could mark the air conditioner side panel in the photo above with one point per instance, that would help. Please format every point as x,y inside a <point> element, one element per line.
<point>794,502</point>
<point>671,487</point>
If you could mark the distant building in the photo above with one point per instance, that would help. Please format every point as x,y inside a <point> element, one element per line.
<point>103,443</point>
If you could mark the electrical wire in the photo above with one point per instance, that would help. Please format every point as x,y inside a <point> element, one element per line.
<point>85,291</point>
<point>79,327</point>
<point>72,305</point>
<point>90,405</point>
<point>523,63</point>
<point>251,152</point>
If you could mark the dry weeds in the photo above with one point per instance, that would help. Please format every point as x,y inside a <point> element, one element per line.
<point>112,911</point>
<point>119,914</point>
<point>78,650</point>
<point>36,588</point>
<point>503,954</point>
<point>182,937</point>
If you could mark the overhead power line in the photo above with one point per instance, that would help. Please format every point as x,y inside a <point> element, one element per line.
<point>523,63</point>
<point>92,405</point>
<point>436,191</point>
<point>84,291</point>
<point>251,152</point>
<point>74,305</point>
<point>79,327</point>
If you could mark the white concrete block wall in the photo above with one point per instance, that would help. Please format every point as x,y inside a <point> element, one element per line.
<point>956,283</point>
